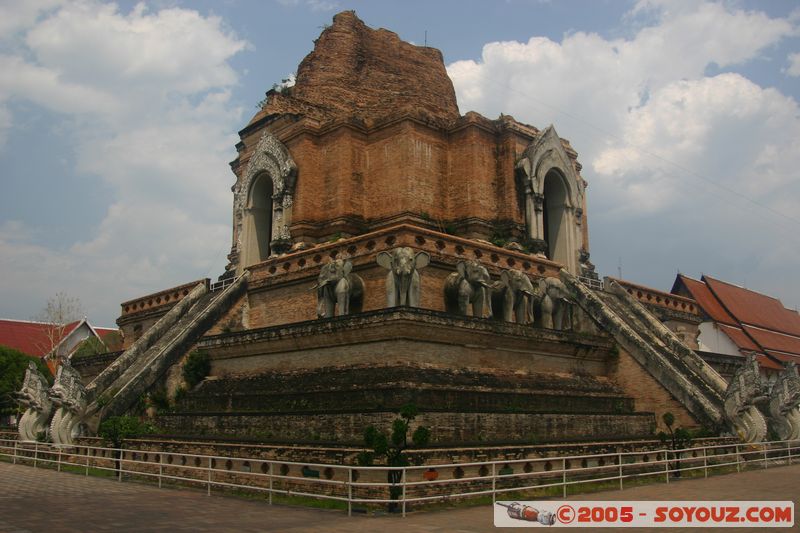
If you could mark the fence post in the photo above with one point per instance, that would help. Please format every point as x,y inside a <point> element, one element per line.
<point>350,491</point>
<point>666,465</point>
<point>564,476</point>
<point>86,473</point>
<point>789,451</point>
<point>765,456</point>
<point>59,459</point>
<point>738,460</point>
<point>705,461</point>
<point>119,455</point>
<point>14,459</point>
<point>35,453</point>
<point>619,463</point>
<point>160,467</point>
<point>270,483</point>
<point>208,492</point>
<point>494,483</point>
<point>403,481</point>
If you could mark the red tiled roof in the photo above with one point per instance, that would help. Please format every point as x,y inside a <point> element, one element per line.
<point>755,322</point>
<point>707,301</point>
<point>739,338</point>
<point>32,338</point>
<point>784,357</point>
<point>766,362</point>
<point>754,308</point>
<point>771,340</point>
<point>112,343</point>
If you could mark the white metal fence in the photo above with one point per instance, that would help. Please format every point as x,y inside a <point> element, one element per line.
<point>596,284</point>
<point>401,486</point>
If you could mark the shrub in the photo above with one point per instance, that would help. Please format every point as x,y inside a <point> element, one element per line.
<point>180,394</point>
<point>159,400</point>
<point>393,445</point>
<point>116,429</point>
<point>197,367</point>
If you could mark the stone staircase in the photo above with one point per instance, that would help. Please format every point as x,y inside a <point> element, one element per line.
<point>117,388</point>
<point>674,365</point>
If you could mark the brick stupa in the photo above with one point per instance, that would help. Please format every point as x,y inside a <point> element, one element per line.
<point>367,154</point>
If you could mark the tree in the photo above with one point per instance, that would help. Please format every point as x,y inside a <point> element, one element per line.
<point>117,429</point>
<point>59,311</point>
<point>393,446</point>
<point>680,437</point>
<point>13,365</point>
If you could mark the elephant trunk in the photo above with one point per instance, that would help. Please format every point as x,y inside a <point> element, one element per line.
<point>487,297</point>
<point>531,308</point>
<point>403,285</point>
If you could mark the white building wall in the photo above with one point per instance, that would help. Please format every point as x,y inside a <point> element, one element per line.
<point>712,339</point>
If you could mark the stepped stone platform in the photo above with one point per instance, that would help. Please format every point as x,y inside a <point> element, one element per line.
<point>474,381</point>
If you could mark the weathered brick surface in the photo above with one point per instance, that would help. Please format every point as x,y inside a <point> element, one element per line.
<point>649,395</point>
<point>364,74</point>
<point>373,127</point>
<point>446,428</point>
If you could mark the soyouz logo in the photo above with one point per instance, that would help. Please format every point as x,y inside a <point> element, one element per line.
<point>619,514</point>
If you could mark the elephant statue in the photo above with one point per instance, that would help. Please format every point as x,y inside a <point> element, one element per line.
<point>515,295</point>
<point>402,281</point>
<point>554,306</point>
<point>338,286</point>
<point>470,284</point>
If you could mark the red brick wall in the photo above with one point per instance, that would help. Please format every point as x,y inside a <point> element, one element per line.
<point>649,394</point>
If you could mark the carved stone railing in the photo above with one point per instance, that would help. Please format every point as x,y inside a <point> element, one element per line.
<point>159,300</point>
<point>443,248</point>
<point>649,296</point>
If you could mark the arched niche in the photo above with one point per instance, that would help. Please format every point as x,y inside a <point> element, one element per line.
<point>552,196</point>
<point>257,224</point>
<point>555,216</point>
<point>262,204</point>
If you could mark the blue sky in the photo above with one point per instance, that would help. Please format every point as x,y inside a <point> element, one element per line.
<point>117,123</point>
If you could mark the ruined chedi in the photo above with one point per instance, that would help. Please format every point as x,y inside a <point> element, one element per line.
<point>388,250</point>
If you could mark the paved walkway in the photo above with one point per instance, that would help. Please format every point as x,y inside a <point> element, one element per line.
<point>37,500</point>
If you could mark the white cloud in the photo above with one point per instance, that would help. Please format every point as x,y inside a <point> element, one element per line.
<point>314,5</point>
<point>662,141</point>
<point>171,50</point>
<point>45,87</point>
<point>696,124</point>
<point>16,15</point>
<point>794,65</point>
<point>146,102</point>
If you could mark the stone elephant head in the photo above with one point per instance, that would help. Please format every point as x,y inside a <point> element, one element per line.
<point>402,281</point>
<point>338,286</point>
<point>469,285</point>
<point>516,296</point>
<point>554,305</point>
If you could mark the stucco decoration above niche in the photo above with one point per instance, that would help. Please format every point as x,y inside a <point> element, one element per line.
<point>553,194</point>
<point>262,204</point>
